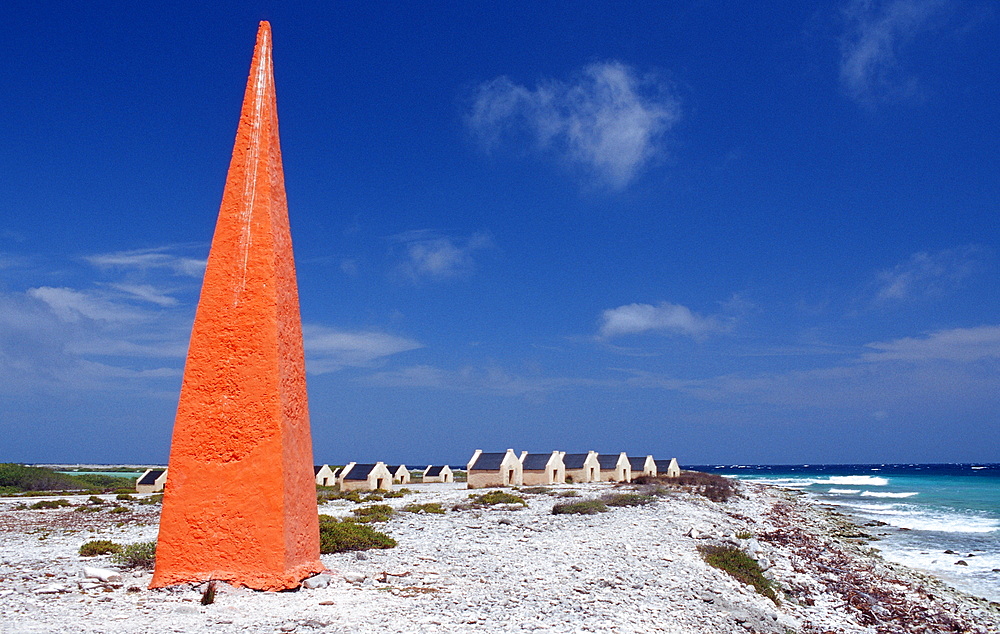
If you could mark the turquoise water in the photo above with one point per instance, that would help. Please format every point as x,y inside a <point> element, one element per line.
<point>926,510</point>
<point>117,474</point>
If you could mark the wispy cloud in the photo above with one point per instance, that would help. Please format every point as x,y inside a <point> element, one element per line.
<point>156,258</point>
<point>146,292</point>
<point>609,120</point>
<point>329,350</point>
<point>71,305</point>
<point>961,345</point>
<point>872,65</point>
<point>664,317</point>
<point>483,379</point>
<point>926,274</point>
<point>429,256</point>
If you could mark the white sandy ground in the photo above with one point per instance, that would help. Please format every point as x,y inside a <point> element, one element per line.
<point>503,570</point>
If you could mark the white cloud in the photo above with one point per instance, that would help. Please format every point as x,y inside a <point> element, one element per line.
<point>609,120</point>
<point>664,317</point>
<point>328,350</point>
<point>146,292</point>
<point>877,33</point>
<point>484,379</point>
<point>926,274</point>
<point>157,258</point>
<point>70,305</point>
<point>429,256</point>
<point>962,345</point>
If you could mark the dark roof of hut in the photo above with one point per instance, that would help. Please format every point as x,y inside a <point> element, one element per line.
<point>536,461</point>
<point>150,476</point>
<point>488,461</point>
<point>359,472</point>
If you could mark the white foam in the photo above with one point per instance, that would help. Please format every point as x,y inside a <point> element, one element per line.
<point>844,491</point>
<point>862,480</point>
<point>887,494</point>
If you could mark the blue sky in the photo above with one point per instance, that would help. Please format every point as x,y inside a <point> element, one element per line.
<point>716,231</point>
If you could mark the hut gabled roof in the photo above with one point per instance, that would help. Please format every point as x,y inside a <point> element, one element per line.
<point>488,461</point>
<point>150,476</point>
<point>360,472</point>
<point>433,471</point>
<point>608,460</point>
<point>536,461</point>
<point>638,463</point>
<point>574,460</point>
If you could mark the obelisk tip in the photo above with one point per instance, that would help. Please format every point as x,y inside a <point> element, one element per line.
<point>265,27</point>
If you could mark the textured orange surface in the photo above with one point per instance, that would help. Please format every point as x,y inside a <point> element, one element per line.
<point>240,500</point>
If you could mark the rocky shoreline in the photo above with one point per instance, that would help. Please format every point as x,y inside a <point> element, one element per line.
<point>506,569</point>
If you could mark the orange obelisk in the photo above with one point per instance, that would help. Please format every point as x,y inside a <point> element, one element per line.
<point>240,499</point>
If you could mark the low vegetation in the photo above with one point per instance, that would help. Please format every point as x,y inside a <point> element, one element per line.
<point>429,507</point>
<point>99,547</point>
<point>740,566</point>
<point>628,499</point>
<point>328,494</point>
<point>139,555</point>
<point>712,486</point>
<point>534,490</point>
<point>16,478</point>
<point>497,497</point>
<point>583,507</point>
<point>374,513</point>
<point>49,504</point>
<point>338,536</point>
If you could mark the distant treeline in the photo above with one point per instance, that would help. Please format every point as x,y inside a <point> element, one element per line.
<point>17,478</point>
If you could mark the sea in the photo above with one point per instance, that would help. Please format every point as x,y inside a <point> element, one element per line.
<point>930,516</point>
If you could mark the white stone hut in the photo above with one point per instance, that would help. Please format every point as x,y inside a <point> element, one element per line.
<point>642,466</point>
<point>438,474</point>
<point>582,467</point>
<point>615,468</point>
<point>494,470</point>
<point>151,481</point>
<point>365,477</point>
<point>668,468</point>
<point>400,474</point>
<point>325,476</point>
<point>542,468</point>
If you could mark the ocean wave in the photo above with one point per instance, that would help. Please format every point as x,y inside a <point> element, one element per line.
<point>844,491</point>
<point>887,494</point>
<point>862,480</point>
<point>917,518</point>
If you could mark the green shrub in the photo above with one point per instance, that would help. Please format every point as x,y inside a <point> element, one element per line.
<point>583,507</point>
<point>99,547</point>
<point>152,499</point>
<point>430,507</point>
<point>105,482</point>
<point>49,504</point>
<point>712,486</point>
<point>332,494</point>
<point>497,497</point>
<point>536,490</point>
<point>127,497</point>
<point>568,494</point>
<point>744,535</point>
<point>120,509</point>
<point>342,536</point>
<point>139,555</point>
<point>740,566</point>
<point>125,491</point>
<point>374,513</point>
<point>17,477</point>
<point>628,499</point>
<point>94,500</point>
